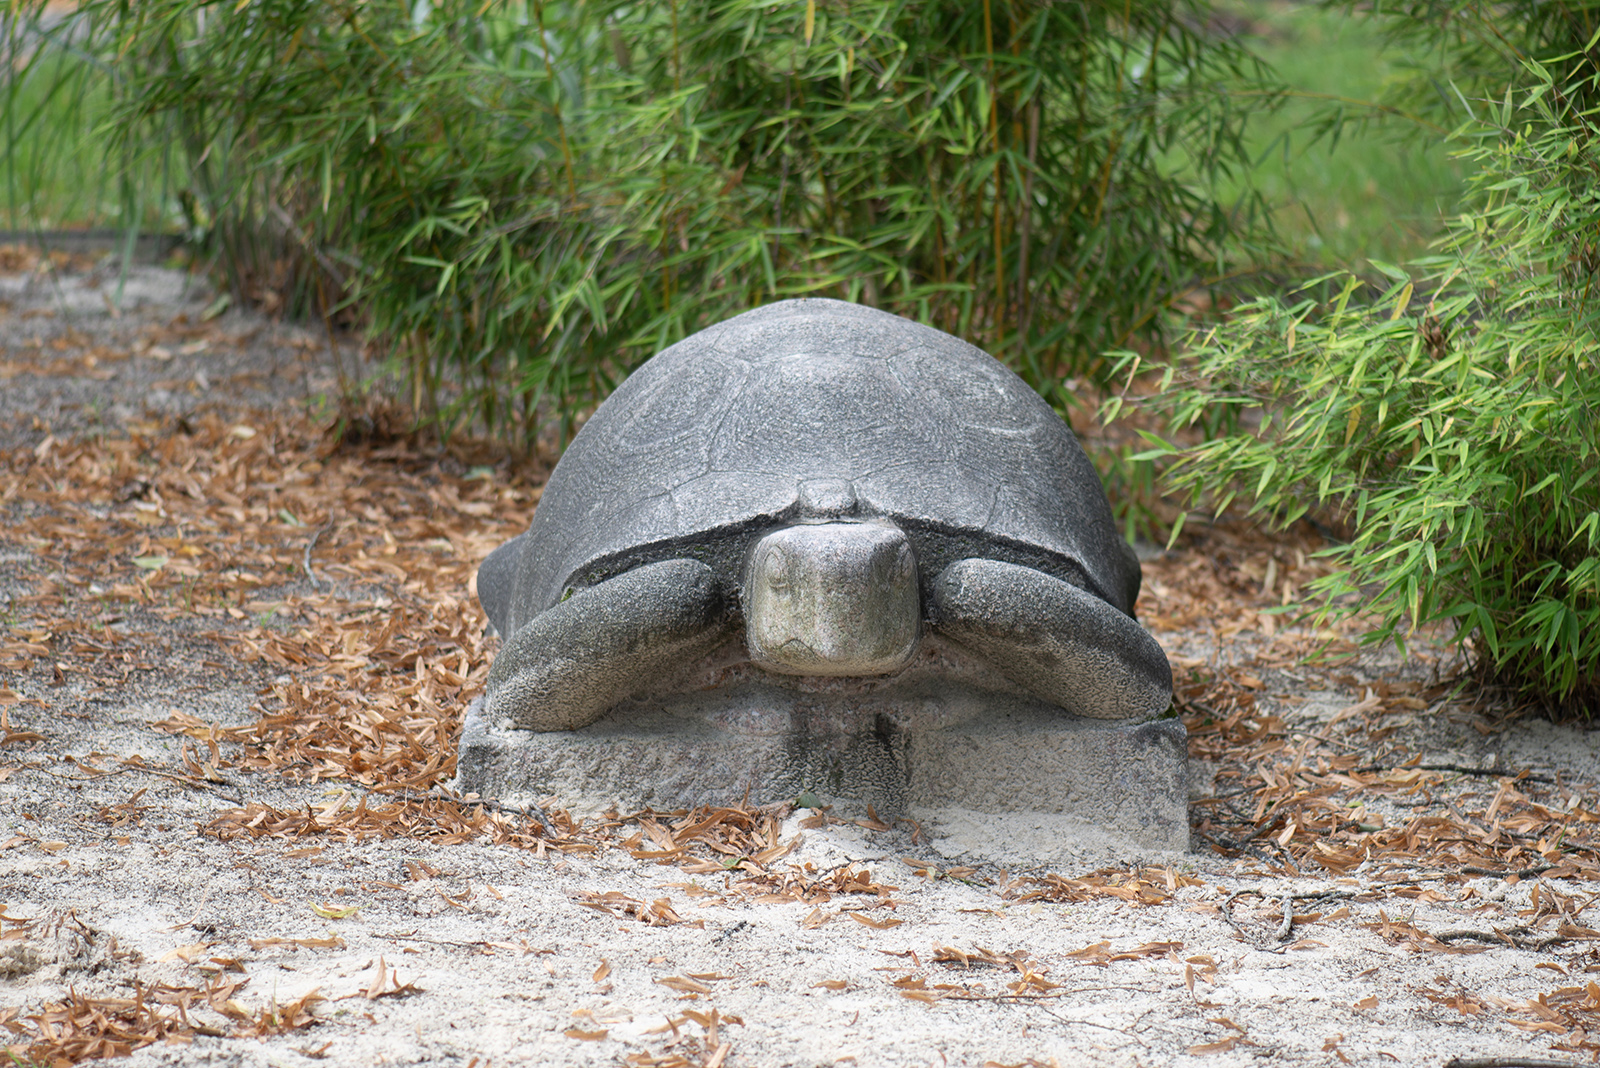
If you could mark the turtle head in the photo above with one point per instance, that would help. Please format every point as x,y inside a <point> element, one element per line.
<point>832,599</point>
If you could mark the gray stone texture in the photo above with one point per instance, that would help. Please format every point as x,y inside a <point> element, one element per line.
<point>806,407</point>
<point>1054,640</point>
<point>820,547</point>
<point>547,678</point>
<point>925,755</point>
<point>832,599</point>
<point>808,432</point>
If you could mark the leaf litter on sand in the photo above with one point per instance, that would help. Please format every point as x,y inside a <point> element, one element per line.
<point>1305,800</point>
<point>374,668</point>
<point>376,663</point>
<point>1325,799</point>
<point>1347,797</point>
<point>226,521</point>
<point>81,1028</point>
<point>365,670</point>
<point>373,665</point>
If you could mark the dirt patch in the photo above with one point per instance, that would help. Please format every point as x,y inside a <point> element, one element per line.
<point>232,666</point>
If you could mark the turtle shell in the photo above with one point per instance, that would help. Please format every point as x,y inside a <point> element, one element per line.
<point>814,409</point>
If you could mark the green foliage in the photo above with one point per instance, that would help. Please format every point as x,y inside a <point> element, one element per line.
<point>1451,423</point>
<point>1342,191</point>
<point>523,201</point>
<point>1355,164</point>
<point>1465,52</point>
<point>50,99</point>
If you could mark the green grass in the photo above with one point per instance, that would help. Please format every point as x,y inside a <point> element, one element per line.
<point>54,174</point>
<point>1380,189</point>
<point>55,111</point>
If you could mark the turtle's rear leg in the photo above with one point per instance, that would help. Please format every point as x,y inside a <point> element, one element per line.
<point>571,663</point>
<point>1054,640</point>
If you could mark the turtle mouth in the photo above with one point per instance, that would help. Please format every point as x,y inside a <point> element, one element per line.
<point>834,599</point>
<point>796,651</point>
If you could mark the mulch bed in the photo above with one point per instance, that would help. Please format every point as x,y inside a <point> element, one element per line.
<point>344,571</point>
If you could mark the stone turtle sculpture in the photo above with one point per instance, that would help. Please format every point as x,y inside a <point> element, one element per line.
<point>839,480</point>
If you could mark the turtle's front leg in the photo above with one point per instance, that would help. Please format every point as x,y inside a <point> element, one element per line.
<point>1053,639</point>
<point>571,663</point>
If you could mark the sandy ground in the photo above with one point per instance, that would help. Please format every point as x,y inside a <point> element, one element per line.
<point>407,951</point>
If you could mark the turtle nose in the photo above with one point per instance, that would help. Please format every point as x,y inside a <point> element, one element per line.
<point>832,599</point>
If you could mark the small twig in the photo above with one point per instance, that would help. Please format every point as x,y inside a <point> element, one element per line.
<point>1492,938</point>
<point>1393,875</point>
<point>1460,769</point>
<point>187,780</point>
<point>1465,819</point>
<point>1227,846</point>
<point>1346,746</point>
<point>1050,995</point>
<point>535,813</point>
<point>1200,706</point>
<point>1521,873</point>
<point>1283,930</point>
<point>463,945</point>
<point>1230,794</point>
<point>429,941</point>
<point>191,920</point>
<point>1317,900</point>
<point>316,583</point>
<point>1227,912</point>
<point>841,866</point>
<point>1258,832</point>
<point>1286,927</point>
<point>1121,1031</point>
<point>1500,938</point>
<point>1507,1062</point>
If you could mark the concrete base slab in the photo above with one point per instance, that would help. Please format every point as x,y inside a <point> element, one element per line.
<point>974,768</point>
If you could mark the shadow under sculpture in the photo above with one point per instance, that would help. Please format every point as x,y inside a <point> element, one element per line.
<point>821,547</point>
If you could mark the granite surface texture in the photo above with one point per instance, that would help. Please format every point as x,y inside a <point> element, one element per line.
<point>821,548</point>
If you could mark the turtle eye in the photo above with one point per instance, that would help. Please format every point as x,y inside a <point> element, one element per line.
<point>893,568</point>
<point>777,571</point>
<point>903,565</point>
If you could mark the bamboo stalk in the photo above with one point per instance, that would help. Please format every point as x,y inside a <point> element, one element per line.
<point>1024,299</point>
<point>555,94</point>
<point>677,65</point>
<point>999,195</point>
